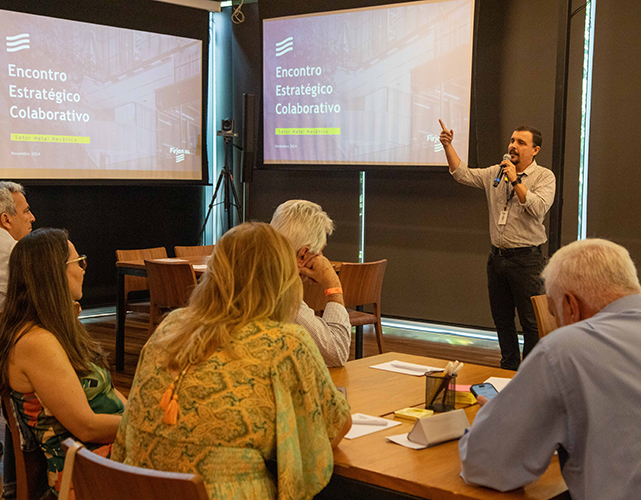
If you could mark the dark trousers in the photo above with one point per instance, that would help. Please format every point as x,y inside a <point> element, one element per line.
<point>511,280</point>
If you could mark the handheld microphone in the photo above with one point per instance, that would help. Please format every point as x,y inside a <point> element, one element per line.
<point>497,181</point>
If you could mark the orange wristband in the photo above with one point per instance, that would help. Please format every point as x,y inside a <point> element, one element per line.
<point>331,291</point>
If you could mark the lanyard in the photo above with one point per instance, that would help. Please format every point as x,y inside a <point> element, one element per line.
<point>507,191</point>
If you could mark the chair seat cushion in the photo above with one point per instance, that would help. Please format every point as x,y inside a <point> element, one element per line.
<point>358,318</point>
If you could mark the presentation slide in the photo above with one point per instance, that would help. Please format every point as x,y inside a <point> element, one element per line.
<point>83,101</point>
<point>367,86</point>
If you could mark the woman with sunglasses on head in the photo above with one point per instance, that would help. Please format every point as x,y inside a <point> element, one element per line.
<point>229,381</point>
<point>53,371</point>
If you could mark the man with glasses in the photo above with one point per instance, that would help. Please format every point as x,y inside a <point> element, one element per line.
<point>15,222</point>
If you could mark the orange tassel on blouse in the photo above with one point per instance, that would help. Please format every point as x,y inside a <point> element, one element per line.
<point>166,397</point>
<point>171,412</point>
<point>169,400</point>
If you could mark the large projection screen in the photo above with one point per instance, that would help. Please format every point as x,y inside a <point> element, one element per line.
<point>86,101</point>
<point>367,86</point>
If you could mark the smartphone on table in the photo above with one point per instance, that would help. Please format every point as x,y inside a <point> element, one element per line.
<point>486,390</point>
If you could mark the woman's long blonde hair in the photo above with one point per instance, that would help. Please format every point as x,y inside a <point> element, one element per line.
<point>251,275</point>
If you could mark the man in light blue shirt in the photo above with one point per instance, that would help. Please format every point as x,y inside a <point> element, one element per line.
<point>578,392</point>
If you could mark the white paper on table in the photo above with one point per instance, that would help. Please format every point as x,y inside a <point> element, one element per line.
<point>403,441</point>
<point>363,430</point>
<point>499,383</point>
<point>171,259</point>
<point>412,368</point>
<point>200,267</point>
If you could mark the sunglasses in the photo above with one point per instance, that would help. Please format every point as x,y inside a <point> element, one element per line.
<point>81,260</point>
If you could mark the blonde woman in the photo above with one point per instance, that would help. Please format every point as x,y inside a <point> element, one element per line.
<point>230,382</point>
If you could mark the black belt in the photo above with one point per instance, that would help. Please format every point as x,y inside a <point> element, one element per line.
<point>511,252</point>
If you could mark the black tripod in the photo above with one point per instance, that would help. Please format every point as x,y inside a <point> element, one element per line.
<point>227,132</point>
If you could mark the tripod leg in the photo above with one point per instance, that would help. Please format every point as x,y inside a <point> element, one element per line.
<point>235,198</point>
<point>211,205</point>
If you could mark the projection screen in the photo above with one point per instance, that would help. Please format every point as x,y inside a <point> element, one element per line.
<point>85,101</point>
<point>367,86</point>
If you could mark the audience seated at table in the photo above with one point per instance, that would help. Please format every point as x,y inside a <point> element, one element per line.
<point>577,392</point>
<point>306,226</point>
<point>54,372</point>
<point>229,381</point>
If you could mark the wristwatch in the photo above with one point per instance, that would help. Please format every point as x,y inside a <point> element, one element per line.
<point>517,181</point>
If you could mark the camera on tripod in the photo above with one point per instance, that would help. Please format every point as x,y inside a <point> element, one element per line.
<point>226,128</point>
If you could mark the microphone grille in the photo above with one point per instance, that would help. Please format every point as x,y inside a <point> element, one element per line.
<point>507,157</point>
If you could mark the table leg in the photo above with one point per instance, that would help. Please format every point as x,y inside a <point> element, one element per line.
<point>358,345</point>
<point>120,323</point>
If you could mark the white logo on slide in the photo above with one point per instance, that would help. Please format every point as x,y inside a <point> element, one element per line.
<point>180,153</point>
<point>437,144</point>
<point>18,42</point>
<point>285,46</point>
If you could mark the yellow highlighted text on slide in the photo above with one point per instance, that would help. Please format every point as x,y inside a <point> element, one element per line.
<point>69,139</point>
<point>308,131</point>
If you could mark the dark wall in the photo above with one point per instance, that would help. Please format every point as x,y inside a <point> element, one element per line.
<point>336,192</point>
<point>103,218</point>
<point>570,207</point>
<point>614,203</point>
<point>433,231</point>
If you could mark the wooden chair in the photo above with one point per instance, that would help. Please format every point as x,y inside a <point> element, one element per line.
<point>314,293</point>
<point>30,467</point>
<point>98,478</point>
<point>170,285</point>
<point>138,283</point>
<point>362,285</point>
<point>544,319</point>
<point>193,251</point>
<point>314,296</point>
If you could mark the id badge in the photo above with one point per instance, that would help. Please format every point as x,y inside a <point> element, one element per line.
<point>503,218</point>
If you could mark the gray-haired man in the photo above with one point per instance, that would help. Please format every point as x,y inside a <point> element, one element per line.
<point>577,392</point>
<point>306,226</point>
<point>15,222</point>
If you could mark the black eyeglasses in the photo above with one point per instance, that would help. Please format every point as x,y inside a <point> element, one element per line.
<point>81,260</point>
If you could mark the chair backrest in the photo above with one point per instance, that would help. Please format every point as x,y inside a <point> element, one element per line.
<point>544,319</point>
<point>98,478</point>
<point>170,283</point>
<point>30,467</point>
<point>362,283</point>
<point>314,295</point>
<point>193,251</point>
<point>136,283</point>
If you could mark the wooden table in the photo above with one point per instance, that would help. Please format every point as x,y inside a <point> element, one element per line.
<point>370,467</point>
<point>137,268</point>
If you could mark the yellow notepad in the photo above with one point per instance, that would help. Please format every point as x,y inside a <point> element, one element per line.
<point>413,413</point>
<point>465,398</point>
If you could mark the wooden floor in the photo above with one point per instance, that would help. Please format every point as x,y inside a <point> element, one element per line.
<point>136,335</point>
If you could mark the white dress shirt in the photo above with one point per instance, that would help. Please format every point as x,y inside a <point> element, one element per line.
<point>6,245</point>
<point>524,226</point>
<point>332,333</point>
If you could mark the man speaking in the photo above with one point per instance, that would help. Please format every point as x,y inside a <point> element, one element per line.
<point>519,193</point>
